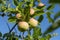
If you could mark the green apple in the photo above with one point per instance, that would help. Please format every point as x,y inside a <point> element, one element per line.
<point>22,26</point>
<point>40,4</point>
<point>31,11</point>
<point>33,22</point>
<point>18,15</point>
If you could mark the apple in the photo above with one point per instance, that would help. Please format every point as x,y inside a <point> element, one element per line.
<point>18,15</point>
<point>31,11</point>
<point>33,22</point>
<point>22,26</point>
<point>40,4</point>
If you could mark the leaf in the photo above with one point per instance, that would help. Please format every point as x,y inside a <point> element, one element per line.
<point>41,8</point>
<point>38,13</point>
<point>0,1</point>
<point>57,15</point>
<point>0,34</point>
<point>50,7</point>
<point>12,19</point>
<point>40,18</point>
<point>38,0</point>
<point>41,38</point>
<point>31,4</point>
<point>12,38</point>
<point>5,35</point>
<point>36,32</point>
<point>3,14</point>
<point>11,10</point>
<point>48,36</point>
<point>54,1</point>
<point>58,21</point>
<point>25,0</point>
<point>3,8</point>
<point>16,2</point>
<point>53,27</point>
<point>28,37</point>
<point>49,18</point>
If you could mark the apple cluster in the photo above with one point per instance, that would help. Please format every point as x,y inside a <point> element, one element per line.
<point>23,25</point>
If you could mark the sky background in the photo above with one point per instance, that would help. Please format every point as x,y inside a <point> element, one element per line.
<point>44,24</point>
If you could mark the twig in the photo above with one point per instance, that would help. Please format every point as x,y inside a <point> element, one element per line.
<point>12,28</point>
<point>8,26</point>
<point>22,35</point>
<point>15,30</point>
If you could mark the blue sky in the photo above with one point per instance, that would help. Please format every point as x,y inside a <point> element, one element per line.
<point>44,25</point>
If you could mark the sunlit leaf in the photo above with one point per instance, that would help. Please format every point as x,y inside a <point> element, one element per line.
<point>12,19</point>
<point>29,37</point>
<point>36,32</point>
<point>41,38</point>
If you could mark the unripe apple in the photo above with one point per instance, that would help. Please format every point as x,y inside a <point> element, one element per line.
<point>40,4</point>
<point>31,11</point>
<point>33,22</point>
<point>22,26</point>
<point>18,15</point>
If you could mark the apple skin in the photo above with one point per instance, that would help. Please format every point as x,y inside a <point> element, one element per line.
<point>40,4</point>
<point>23,26</point>
<point>18,15</point>
<point>31,11</point>
<point>33,22</point>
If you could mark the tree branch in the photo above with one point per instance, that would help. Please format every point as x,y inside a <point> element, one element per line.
<point>12,28</point>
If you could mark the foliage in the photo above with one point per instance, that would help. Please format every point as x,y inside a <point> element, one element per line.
<point>23,7</point>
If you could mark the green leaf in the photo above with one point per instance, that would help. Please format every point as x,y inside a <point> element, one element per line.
<point>3,8</point>
<point>38,0</point>
<point>58,21</point>
<point>0,34</point>
<point>0,1</point>
<point>54,1</point>
<point>40,18</point>
<point>38,13</point>
<point>25,0</point>
<point>57,15</point>
<point>28,37</point>
<point>31,4</point>
<point>48,36</point>
<point>53,27</point>
<point>16,2</point>
<point>41,8</point>
<point>36,32</point>
<point>12,19</point>
<point>12,38</point>
<point>11,10</point>
<point>5,35</point>
<point>41,38</point>
<point>50,7</point>
<point>49,18</point>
